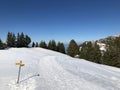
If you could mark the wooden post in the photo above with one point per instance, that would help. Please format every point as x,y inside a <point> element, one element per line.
<point>20,64</point>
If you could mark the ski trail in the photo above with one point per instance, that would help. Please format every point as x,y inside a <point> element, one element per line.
<point>54,77</point>
<point>57,72</point>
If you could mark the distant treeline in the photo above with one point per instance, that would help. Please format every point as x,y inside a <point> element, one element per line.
<point>52,45</point>
<point>91,51</point>
<point>87,50</point>
<point>22,40</point>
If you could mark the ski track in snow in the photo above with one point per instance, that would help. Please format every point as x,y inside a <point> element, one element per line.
<point>57,72</point>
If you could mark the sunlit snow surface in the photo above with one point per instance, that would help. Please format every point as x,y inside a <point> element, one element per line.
<point>57,72</point>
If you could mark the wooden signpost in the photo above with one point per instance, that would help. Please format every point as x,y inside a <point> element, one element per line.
<point>20,64</point>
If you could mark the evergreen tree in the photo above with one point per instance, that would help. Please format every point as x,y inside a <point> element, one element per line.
<point>4,45</point>
<point>11,39</point>
<point>36,45</point>
<point>27,40</point>
<point>1,44</point>
<point>112,56</point>
<point>86,49</point>
<point>108,57</point>
<point>90,51</point>
<point>43,44</point>
<point>60,47</point>
<point>96,53</point>
<point>23,40</point>
<point>52,45</point>
<point>33,44</point>
<point>18,40</point>
<point>73,48</point>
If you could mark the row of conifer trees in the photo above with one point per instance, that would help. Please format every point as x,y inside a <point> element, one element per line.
<point>52,45</point>
<point>91,51</point>
<point>22,40</point>
<point>12,40</point>
<point>87,50</point>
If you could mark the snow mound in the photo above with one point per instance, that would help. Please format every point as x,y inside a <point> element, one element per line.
<point>57,72</point>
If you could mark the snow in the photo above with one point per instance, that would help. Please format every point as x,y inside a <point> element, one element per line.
<point>57,72</point>
<point>102,46</point>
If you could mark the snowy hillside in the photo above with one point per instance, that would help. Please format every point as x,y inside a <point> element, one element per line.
<point>57,72</point>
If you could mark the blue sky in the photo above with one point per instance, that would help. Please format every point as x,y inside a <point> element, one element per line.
<point>61,20</point>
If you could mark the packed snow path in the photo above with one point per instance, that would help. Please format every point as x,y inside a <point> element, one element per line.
<point>57,72</point>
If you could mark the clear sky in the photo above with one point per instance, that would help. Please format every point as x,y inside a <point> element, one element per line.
<point>61,20</point>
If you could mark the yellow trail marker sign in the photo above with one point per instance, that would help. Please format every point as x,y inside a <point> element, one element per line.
<point>20,64</point>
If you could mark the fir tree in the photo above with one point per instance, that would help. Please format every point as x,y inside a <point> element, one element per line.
<point>90,51</point>
<point>11,39</point>
<point>96,53</point>
<point>23,40</point>
<point>52,45</point>
<point>86,49</point>
<point>36,45</point>
<point>27,40</point>
<point>1,44</point>
<point>43,44</point>
<point>18,40</point>
<point>73,48</point>
<point>112,57</point>
<point>33,44</point>
<point>60,47</point>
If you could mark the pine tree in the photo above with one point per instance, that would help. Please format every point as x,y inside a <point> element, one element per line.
<point>90,51</point>
<point>112,55</point>
<point>27,40</point>
<point>86,49</point>
<point>23,40</point>
<point>108,57</point>
<point>11,39</point>
<point>96,53</point>
<point>52,45</point>
<point>60,47</point>
<point>36,45</point>
<point>33,44</point>
<point>1,44</point>
<point>18,40</point>
<point>73,48</point>
<point>43,44</point>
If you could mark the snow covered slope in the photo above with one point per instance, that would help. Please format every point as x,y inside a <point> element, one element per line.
<point>57,72</point>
